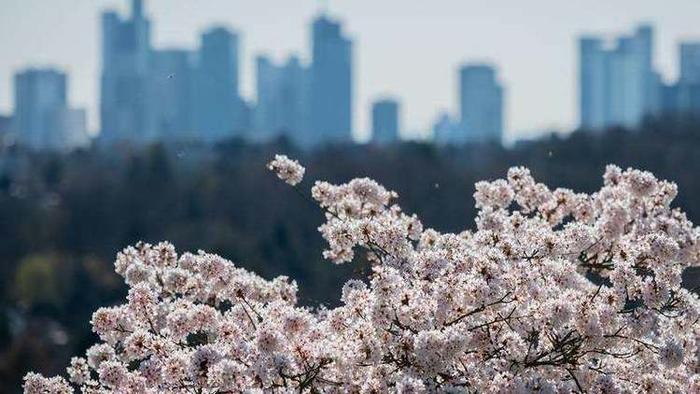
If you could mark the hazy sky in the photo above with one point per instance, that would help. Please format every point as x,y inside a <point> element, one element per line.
<point>405,48</point>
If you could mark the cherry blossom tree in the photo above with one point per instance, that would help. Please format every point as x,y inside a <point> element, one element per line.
<point>554,292</point>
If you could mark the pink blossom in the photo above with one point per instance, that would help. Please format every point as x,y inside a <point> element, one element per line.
<point>553,292</point>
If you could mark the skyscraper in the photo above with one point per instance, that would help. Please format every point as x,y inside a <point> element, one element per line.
<point>331,83</point>
<point>126,60</point>
<point>651,79</point>
<point>628,67</point>
<point>385,121</point>
<point>618,86</point>
<point>218,106</point>
<point>43,119</point>
<point>282,107</point>
<point>690,62</point>
<point>38,94</point>
<point>171,86</point>
<point>683,97</point>
<point>593,82</point>
<point>481,103</point>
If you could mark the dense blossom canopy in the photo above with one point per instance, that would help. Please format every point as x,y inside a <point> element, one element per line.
<point>554,292</point>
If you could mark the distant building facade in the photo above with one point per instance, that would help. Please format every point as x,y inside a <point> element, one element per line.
<point>331,83</point>
<point>172,94</point>
<point>43,119</point>
<point>126,60</point>
<point>309,105</point>
<point>690,62</point>
<point>283,101</point>
<point>593,79</point>
<point>481,104</point>
<point>618,86</point>
<point>218,106</point>
<point>385,121</point>
<point>683,97</point>
<point>39,94</point>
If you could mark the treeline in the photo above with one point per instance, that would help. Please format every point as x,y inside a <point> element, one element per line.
<point>64,217</point>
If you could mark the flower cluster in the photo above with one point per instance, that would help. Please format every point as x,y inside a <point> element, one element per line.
<point>287,169</point>
<point>553,292</point>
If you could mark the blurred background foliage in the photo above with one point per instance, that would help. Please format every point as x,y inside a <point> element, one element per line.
<point>63,217</point>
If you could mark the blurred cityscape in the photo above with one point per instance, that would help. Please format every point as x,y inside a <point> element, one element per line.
<point>193,95</point>
<point>620,87</point>
<point>180,155</point>
<point>185,95</point>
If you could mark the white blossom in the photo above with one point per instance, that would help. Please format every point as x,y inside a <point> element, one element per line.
<point>287,169</point>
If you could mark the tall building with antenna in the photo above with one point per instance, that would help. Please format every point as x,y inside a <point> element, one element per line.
<point>126,58</point>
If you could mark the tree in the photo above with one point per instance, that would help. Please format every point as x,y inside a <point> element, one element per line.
<point>508,307</point>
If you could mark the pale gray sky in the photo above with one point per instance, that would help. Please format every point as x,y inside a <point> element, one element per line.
<point>405,48</point>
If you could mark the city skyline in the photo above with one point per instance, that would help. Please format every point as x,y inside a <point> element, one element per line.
<point>149,94</point>
<point>618,83</point>
<point>44,114</point>
<point>545,109</point>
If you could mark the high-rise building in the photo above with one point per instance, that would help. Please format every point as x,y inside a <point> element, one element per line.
<point>171,87</point>
<point>618,86</point>
<point>331,83</point>
<point>385,121</point>
<point>282,107</point>
<point>593,82</point>
<point>43,119</point>
<point>126,60</point>
<point>628,68</point>
<point>683,96</point>
<point>690,62</point>
<point>218,106</point>
<point>38,95</point>
<point>267,80</point>
<point>687,98</point>
<point>481,104</point>
<point>651,79</point>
